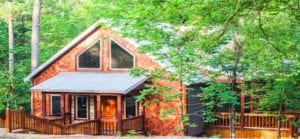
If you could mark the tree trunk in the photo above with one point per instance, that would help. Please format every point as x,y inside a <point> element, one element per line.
<point>232,122</point>
<point>10,41</point>
<point>35,37</point>
<point>279,122</point>
<point>182,123</point>
<point>238,52</point>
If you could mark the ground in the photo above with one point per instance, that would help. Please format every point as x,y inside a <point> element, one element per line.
<point>4,134</point>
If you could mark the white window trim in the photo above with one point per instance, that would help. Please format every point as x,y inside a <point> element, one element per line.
<point>110,56</point>
<point>100,59</point>
<point>87,107</point>
<point>51,102</point>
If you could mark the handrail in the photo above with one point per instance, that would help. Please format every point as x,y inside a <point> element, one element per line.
<point>81,123</point>
<point>254,120</point>
<point>131,118</point>
<point>133,123</point>
<point>18,119</point>
<point>2,121</point>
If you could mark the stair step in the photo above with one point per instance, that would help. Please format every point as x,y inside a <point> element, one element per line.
<point>20,131</point>
<point>23,131</point>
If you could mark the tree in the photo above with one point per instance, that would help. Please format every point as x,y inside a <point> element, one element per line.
<point>11,39</point>
<point>35,37</point>
<point>180,65</point>
<point>267,31</point>
<point>11,48</point>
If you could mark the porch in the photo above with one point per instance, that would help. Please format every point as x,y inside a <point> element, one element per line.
<point>24,122</point>
<point>110,111</point>
<point>104,101</point>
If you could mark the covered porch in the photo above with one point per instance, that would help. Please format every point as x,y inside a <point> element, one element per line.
<point>80,97</point>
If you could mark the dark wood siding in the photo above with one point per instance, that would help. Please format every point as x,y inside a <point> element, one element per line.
<point>194,107</point>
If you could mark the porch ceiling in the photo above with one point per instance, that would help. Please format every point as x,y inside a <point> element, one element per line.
<point>91,82</point>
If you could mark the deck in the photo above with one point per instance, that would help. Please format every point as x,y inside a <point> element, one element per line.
<point>253,125</point>
<point>18,119</point>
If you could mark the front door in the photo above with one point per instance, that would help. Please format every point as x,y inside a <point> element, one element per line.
<point>108,107</point>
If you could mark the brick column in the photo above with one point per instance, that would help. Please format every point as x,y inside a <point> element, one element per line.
<point>43,105</point>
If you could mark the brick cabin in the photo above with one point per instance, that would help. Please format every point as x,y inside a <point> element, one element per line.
<point>89,79</point>
<point>55,92</point>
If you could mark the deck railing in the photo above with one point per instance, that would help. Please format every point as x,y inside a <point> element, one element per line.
<point>87,128</point>
<point>62,120</point>
<point>108,126</point>
<point>18,119</point>
<point>2,121</point>
<point>253,120</point>
<point>133,123</point>
<point>42,126</point>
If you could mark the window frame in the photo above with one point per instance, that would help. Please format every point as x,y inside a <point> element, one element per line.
<point>136,108</point>
<point>87,108</point>
<point>51,110</point>
<point>84,50</point>
<point>110,56</point>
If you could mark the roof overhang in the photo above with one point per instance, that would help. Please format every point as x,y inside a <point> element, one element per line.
<point>91,82</point>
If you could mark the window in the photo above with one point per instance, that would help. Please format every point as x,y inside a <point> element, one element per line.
<point>55,105</point>
<point>130,107</point>
<point>90,58</point>
<point>81,107</point>
<point>120,58</point>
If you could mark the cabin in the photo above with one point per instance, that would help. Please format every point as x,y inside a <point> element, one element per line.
<point>89,80</point>
<point>86,86</point>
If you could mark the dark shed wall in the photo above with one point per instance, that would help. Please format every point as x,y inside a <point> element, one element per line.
<point>194,107</point>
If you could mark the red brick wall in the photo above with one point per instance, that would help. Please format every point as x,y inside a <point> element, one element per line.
<point>67,62</point>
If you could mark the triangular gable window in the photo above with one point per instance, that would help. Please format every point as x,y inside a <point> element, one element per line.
<point>120,58</point>
<point>90,58</point>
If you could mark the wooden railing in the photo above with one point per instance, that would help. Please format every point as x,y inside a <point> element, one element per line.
<point>253,120</point>
<point>108,126</point>
<point>2,121</point>
<point>62,120</point>
<point>18,119</point>
<point>224,120</point>
<point>133,123</point>
<point>88,128</point>
<point>266,121</point>
<point>42,126</point>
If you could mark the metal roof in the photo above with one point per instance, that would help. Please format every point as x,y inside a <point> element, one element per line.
<point>91,82</point>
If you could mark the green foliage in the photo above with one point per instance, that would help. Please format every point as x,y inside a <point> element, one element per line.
<point>119,134</point>
<point>131,133</point>
<point>165,112</point>
<point>183,36</point>
<point>216,95</point>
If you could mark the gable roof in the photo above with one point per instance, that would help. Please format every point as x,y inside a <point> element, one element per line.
<point>62,51</point>
<point>91,82</point>
<point>82,36</point>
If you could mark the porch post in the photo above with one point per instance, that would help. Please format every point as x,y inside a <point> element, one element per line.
<point>62,104</point>
<point>242,110</point>
<point>43,105</point>
<point>7,120</point>
<point>98,105</point>
<point>119,112</point>
<point>70,109</point>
